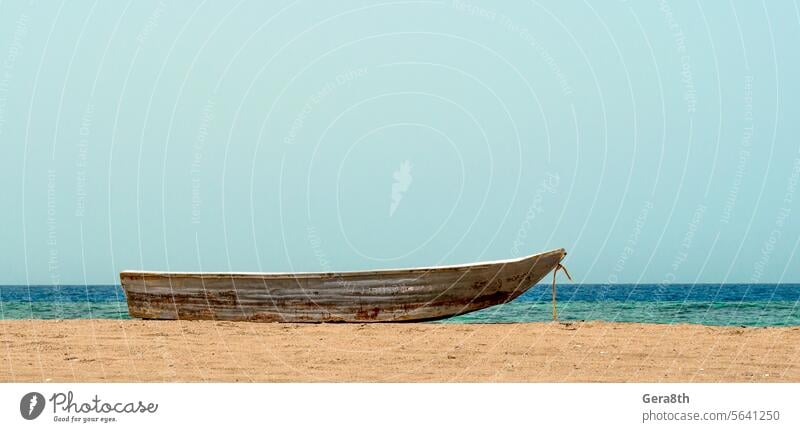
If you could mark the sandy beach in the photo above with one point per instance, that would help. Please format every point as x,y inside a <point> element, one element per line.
<point>199,351</point>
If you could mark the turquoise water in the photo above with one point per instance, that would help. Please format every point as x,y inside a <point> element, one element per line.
<point>711,304</point>
<point>781,313</point>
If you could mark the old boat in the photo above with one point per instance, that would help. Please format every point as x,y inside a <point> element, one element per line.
<point>414,294</point>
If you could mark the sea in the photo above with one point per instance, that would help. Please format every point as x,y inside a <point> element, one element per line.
<point>709,304</point>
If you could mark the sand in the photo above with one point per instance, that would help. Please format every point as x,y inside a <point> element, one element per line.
<point>184,351</point>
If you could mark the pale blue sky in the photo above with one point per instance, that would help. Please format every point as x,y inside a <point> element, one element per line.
<point>655,141</point>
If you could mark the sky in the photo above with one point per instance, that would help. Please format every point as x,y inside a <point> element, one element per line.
<point>657,142</point>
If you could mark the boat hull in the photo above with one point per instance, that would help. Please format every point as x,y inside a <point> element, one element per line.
<point>418,294</point>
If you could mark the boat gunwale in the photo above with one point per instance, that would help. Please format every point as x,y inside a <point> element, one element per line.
<point>354,273</point>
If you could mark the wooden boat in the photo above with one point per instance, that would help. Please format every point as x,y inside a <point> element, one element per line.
<point>414,294</point>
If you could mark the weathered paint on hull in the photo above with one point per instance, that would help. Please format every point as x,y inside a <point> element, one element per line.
<point>374,296</point>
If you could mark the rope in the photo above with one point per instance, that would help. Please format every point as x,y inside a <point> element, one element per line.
<point>559,266</point>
